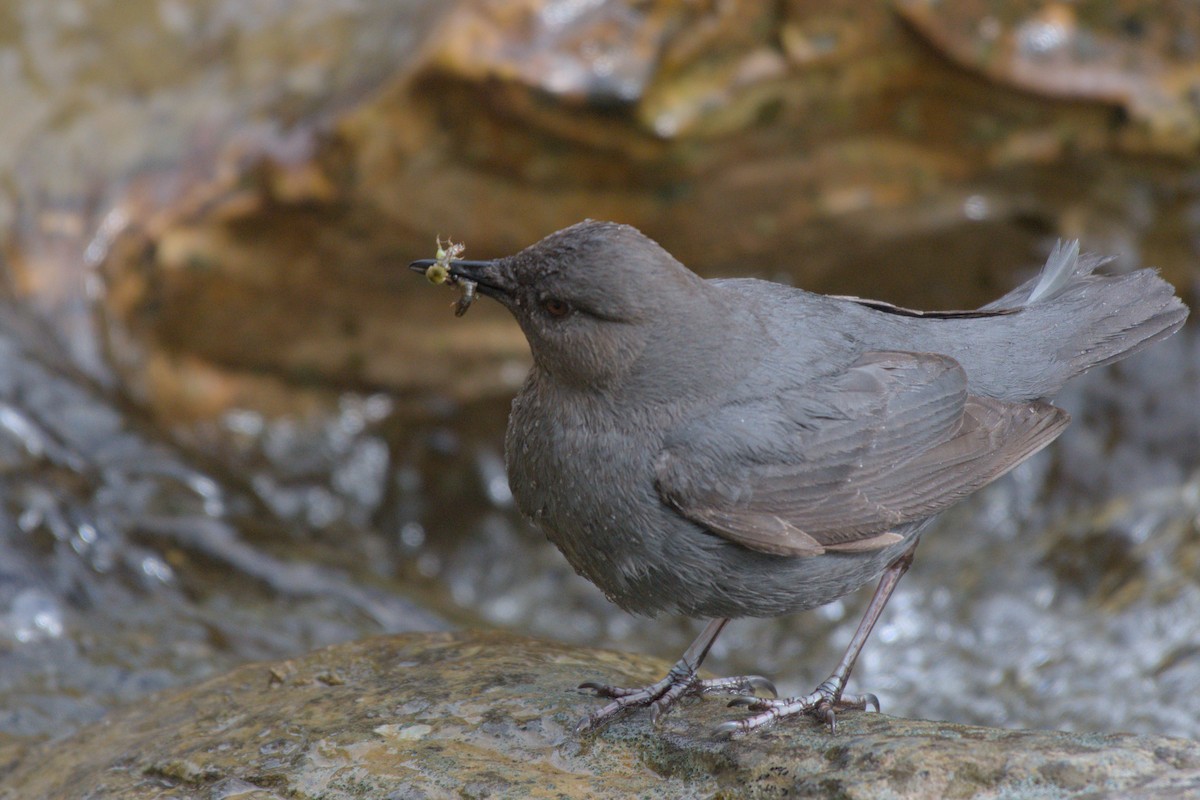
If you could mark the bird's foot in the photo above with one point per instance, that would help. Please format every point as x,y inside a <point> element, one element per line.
<point>662,695</point>
<point>824,703</point>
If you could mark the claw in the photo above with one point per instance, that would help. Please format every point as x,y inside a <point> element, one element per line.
<point>727,730</point>
<point>825,713</point>
<point>870,703</point>
<point>747,700</point>
<point>761,684</point>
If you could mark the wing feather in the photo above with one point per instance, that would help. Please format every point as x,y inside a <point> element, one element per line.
<point>901,441</point>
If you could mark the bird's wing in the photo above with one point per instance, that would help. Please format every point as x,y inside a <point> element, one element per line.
<point>892,439</point>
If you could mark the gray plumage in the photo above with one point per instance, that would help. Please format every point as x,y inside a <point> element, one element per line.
<point>731,448</point>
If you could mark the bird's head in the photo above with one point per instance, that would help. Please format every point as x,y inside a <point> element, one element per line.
<point>592,299</point>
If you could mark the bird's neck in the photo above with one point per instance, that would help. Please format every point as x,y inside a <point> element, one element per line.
<point>695,355</point>
<point>686,359</point>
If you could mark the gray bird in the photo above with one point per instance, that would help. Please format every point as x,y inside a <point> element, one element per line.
<point>738,448</point>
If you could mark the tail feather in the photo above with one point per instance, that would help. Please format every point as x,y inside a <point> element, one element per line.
<point>1090,320</point>
<point>1057,326</point>
<point>1064,266</point>
<point>1151,313</point>
<point>1059,270</point>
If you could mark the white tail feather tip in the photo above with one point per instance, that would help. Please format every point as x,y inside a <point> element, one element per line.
<point>1060,268</point>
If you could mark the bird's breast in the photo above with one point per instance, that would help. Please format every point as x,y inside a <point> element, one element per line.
<point>588,484</point>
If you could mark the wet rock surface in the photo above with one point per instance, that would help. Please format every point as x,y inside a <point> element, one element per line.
<point>256,235</point>
<point>491,715</point>
<point>1136,57</point>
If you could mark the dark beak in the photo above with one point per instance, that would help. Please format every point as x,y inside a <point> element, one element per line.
<point>490,276</point>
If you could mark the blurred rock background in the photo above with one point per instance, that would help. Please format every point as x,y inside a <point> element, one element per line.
<point>234,426</point>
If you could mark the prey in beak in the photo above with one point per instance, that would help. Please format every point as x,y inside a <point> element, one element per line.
<point>447,268</point>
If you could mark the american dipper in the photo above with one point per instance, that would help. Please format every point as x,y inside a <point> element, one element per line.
<point>733,448</point>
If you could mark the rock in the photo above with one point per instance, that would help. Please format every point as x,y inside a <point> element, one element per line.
<point>243,224</point>
<point>1132,57</point>
<point>492,715</point>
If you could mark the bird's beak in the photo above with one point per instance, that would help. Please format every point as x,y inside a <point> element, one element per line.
<point>490,277</point>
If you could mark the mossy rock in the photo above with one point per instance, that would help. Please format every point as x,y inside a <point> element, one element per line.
<point>493,715</point>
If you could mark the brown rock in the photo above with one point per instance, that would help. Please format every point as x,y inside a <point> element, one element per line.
<point>491,715</point>
<point>872,148</point>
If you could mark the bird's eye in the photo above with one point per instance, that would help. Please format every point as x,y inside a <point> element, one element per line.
<point>556,308</point>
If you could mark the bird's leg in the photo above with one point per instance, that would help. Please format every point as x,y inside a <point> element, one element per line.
<point>828,698</point>
<point>680,681</point>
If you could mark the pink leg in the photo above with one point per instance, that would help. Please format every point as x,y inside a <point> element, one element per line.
<point>828,697</point>
<point>679,682</point>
